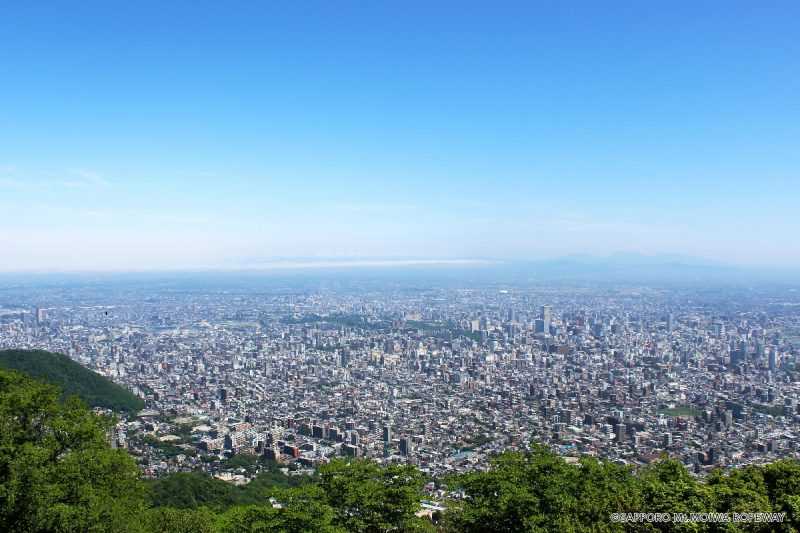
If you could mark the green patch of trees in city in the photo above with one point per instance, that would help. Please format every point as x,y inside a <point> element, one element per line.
<point>681,410</point>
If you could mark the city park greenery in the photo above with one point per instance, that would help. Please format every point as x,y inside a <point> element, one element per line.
<point>58,473</point>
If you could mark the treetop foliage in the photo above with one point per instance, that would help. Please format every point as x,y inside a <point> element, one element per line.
<point>57,471</point>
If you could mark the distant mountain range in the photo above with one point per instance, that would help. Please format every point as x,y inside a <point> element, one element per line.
<point>72,378</point>
<point>614,268</point>
<point>637,268</point>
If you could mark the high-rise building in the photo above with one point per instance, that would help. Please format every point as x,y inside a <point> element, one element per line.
<point>387,434</point>
<point>405,446</point>
<point>546,318</point>
<point>350,450</point>
<point>620,430</point>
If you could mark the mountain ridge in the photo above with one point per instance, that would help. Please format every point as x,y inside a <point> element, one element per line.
<point>72,378</point>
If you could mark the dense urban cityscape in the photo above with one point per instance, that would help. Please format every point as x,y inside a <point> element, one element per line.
<point>442,377</point>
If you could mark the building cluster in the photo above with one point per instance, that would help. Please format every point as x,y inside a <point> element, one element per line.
<point>442,378</point>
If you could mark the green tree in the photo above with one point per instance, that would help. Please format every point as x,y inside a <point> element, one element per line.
<point>169,520</point>
<point>190,490</point>
<point>739,491</point>
<point>57,471</point>
<point>500,499</point>
<point>369,498</point>
<point>603,488</point>
<point>667,487</point>
<point>782,482</point>
<point>305,509</point>
<point>300,510</point>
<point>782,479</point>
<point>249,519</point>
<point>539,491</point>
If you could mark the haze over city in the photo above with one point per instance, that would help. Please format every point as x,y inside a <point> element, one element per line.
<point>196,135</point>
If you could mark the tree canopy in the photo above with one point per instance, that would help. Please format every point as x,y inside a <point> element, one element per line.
<point>57,471</point>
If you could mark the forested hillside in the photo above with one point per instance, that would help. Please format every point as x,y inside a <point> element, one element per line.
<point>57,473</point>
<point>71,378</point>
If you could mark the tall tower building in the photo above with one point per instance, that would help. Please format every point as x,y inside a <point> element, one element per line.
<point>620,432</point>
<point>405,446</point>
<point>546,318</point>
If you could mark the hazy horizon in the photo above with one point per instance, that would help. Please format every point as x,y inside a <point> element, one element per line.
<point>185,136</point>
<point>617,269</point>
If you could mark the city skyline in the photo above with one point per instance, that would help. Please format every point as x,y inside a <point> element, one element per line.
<point>172,137</point>
<point>415,371</point>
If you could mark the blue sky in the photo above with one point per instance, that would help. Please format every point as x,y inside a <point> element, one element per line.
<point>169,134</point>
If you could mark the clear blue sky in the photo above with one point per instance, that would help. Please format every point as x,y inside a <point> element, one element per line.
<point>170,134</point>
